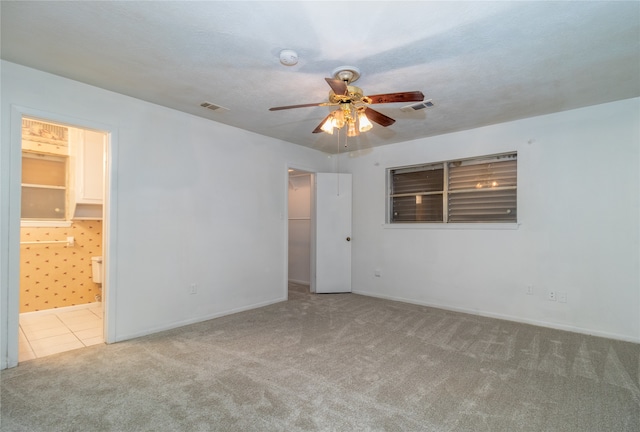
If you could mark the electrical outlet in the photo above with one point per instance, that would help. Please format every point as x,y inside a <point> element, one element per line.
<point>529,290</point>
<point>193,288</point>
<point>562,297</point>
<point>551,296</point>
<point>376,273</point>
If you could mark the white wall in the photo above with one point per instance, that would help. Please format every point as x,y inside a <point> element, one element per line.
<point>183,209</point>
<point>578,205</point>
<point>182,214</point>
<point>300,229</point>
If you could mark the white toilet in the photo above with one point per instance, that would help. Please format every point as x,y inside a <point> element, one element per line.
<point>96,269</point>
<point>96,274</point>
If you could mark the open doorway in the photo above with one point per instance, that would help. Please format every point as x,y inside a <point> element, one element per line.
<point>300,238</point>
<point>63,180</point>
<point>319,231</point>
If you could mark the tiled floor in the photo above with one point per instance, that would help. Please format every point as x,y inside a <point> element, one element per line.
<point>53,331</point>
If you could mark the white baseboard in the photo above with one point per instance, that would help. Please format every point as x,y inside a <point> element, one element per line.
<point>557,326</point>
<point>176,324</point>
<point>299,282</point>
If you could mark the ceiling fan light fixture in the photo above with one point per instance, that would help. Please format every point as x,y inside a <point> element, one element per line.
<point>352,104</point>
<point>339,118</point>
<point>328,125</point>
<point>352,131</point>
<point>363,122</point>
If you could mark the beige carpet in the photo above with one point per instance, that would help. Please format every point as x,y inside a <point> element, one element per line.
<point>333,363</point>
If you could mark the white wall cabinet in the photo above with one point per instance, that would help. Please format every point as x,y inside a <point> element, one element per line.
<point>89,168</point>
<point>87,185</point>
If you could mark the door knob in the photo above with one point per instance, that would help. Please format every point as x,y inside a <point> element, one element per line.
<point>348,238</point>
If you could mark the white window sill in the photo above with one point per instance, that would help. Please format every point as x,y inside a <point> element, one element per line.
<point>453,226</point>
<point>44,224</point>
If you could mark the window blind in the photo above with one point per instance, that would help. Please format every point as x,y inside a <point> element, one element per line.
<point>470,190</point>
<point>417,194</point>
<point>483,191</point>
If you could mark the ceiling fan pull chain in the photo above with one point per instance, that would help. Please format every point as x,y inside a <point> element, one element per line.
<point>338,166</point>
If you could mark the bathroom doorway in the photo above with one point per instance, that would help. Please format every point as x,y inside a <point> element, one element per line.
<point>61,238</point>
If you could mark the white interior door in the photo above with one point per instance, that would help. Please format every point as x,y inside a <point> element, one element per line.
<point>333,233</point>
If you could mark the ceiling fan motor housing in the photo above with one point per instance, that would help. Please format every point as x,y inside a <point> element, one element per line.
<point>347,74</point>
<point>354,94</point>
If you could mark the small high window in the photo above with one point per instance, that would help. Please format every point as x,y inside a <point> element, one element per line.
<point>44,187</point>
<point>463,191</point>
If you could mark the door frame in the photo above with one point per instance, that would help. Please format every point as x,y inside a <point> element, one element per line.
<point>312,226</point>
<point>10,292</point>
<point>313,252</point>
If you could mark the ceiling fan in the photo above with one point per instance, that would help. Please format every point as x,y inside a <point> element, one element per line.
<point>353,105</point>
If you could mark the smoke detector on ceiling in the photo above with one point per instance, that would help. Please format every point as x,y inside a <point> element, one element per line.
<point>288,57</point>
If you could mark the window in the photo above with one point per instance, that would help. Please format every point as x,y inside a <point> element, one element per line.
<point>44,187</point>
<point>417,194</point>
<point>463,191</point>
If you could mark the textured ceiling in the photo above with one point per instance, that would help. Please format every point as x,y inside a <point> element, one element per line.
<point>480,62</point>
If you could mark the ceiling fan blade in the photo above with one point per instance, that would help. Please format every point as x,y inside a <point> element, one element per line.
<point>297,106</point>
<point>414,96</point>
<point>378,117</point>
<point>318,128</point>
<point>339,87</point>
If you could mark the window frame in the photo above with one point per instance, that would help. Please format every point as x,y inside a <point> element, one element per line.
<point>47,222</point>
<point>445,222</point>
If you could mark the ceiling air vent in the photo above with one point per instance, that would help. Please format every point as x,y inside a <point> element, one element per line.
<point>418,106</point>
<point>213,107</point>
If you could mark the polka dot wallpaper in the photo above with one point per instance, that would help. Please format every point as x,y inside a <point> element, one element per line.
<point>55,275</point>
